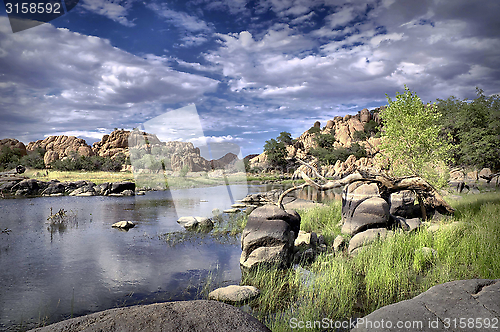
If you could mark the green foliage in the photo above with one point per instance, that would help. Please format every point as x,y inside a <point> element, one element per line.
<point>33,159</point>
<point>184,170</point>
<point>474,128</point>
<point>75,162</point>
<point>383,273</point>
<point>276,152</point>
<point>330,155</point>
<point>411,139</point>
<point>314,130</point>
<point>9,158</point>
<point>325,140</point>
<point>285,138</point>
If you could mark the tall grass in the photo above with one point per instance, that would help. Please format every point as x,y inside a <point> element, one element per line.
<point>322,220</point>
<point>391,270</point>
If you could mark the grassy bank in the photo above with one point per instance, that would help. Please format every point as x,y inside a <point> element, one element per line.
<point>63,176</point>
<point>338,287</point>
<point>159,181</point>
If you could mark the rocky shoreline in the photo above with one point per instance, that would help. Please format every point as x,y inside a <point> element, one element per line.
<point>25,187</point>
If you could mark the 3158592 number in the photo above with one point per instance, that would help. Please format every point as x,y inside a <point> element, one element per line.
<point>33,8</point>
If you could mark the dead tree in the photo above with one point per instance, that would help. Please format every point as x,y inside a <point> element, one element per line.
<point>426,194</point>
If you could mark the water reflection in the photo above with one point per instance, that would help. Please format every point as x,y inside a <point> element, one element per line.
<point>49,273</point>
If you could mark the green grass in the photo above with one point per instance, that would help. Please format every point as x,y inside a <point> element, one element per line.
<point>226,230</point>
<point>96,177</point>
<point>391,270</point>
<point>191,180</point>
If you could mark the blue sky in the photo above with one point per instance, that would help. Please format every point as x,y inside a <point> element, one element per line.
<point>252,68</point>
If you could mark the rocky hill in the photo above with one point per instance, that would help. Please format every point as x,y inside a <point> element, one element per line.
<point>58,147</point>
<point>13,144</point>
<point>344,130</point>
<point>178,154</point>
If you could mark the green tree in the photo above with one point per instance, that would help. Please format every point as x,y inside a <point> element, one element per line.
<point>276,153</point>
<point>474,127</point>
<point>411,139</point>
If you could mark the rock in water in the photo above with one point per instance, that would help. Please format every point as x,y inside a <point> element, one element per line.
<point>234,294</point>
<point>191,223</point>
<point>123,224</point>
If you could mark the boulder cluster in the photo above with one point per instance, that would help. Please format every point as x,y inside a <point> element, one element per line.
<point>368,216</point>
<point>343,128</point>
<point>119,142</point>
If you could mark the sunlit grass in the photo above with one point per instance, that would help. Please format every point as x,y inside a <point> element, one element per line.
<point>392,270</point>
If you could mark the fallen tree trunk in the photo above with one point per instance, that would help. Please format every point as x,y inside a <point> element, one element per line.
<point>425,192</point>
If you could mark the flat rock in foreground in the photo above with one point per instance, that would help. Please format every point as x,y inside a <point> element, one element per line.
<point>182,316</point>
<point>464,305</point>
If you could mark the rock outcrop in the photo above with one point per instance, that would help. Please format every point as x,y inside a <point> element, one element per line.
<point>119,141</point>
<point>344,130</point>
<point>58,147</point>
<point>464,305</point>
<point>12,144</point>
<point>268,238</point>
<point>182,316</point>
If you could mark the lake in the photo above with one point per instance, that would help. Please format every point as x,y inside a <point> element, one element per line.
<point>48,274</point>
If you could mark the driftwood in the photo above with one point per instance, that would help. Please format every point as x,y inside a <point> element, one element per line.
<point>426,194</point>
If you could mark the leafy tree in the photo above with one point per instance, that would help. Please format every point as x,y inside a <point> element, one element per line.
<point>474,127</point>
<point>276,152</point>
<point>330,155</point>
<point>325,140</point>
<point>314,130</point>
<point>411,139</point>
<point>285,138</point>
<point>34,159</point>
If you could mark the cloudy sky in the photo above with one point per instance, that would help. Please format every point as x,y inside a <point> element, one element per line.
<point>252,68</point>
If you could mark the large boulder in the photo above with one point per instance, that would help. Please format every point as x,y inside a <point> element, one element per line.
<point>13,144</point>
<point>402,203</point>
<point>58,147</point>
<point>182,316</point>
<point>363,208</point>
<point>464,305</point>
<point>268,238</point>
<point>366,238</point>
<point>118,187</point>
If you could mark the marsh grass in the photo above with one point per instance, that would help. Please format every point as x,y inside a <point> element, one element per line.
<point>389,271</point>
<point>226,230</point>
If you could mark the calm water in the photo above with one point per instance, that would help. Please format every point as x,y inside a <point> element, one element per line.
<point>49,274</point>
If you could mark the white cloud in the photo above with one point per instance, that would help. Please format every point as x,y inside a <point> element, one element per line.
<point>79,82</point>
<point>180,19</point>
<point>116,10</point>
